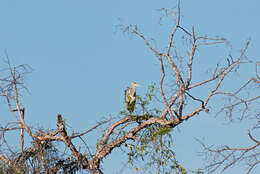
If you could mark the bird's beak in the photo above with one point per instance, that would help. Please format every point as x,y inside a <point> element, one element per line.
<point>137,85</point>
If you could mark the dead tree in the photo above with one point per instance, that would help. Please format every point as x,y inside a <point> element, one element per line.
<point>176,91</point>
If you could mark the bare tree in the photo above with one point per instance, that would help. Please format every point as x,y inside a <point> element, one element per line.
<point>145,133</point>
<point>224,157</point>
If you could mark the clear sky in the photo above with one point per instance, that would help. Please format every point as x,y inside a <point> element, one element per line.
<point>82,62</point>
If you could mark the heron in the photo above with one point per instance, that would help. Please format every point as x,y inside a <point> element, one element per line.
<point>130,96</point>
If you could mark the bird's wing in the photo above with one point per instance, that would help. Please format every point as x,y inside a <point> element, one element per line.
<point>127,95</point>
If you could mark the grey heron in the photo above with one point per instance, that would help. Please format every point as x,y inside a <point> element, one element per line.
<point>130,97</point>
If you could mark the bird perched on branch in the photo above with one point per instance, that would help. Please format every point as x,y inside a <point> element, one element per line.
<point>130,97</point>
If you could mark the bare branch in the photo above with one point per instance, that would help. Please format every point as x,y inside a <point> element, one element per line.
<point>191,59</point>
<point>91,129</point>
<point>161,87</point>
<point>174,31</point>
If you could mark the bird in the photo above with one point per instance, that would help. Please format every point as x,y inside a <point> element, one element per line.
<point>130,96</point>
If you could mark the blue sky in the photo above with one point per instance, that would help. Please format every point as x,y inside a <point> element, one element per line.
<point>82,62</point>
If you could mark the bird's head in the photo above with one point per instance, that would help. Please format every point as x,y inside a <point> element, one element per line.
<point>134,84</point>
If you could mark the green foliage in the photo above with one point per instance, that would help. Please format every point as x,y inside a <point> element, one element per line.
<point>146,100</point>
<point>154,150</point>
<point>123,112</point>
<point>161,131</point>
<point>155,146</point>
<point>181,169</point>
<point>1,170</point>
